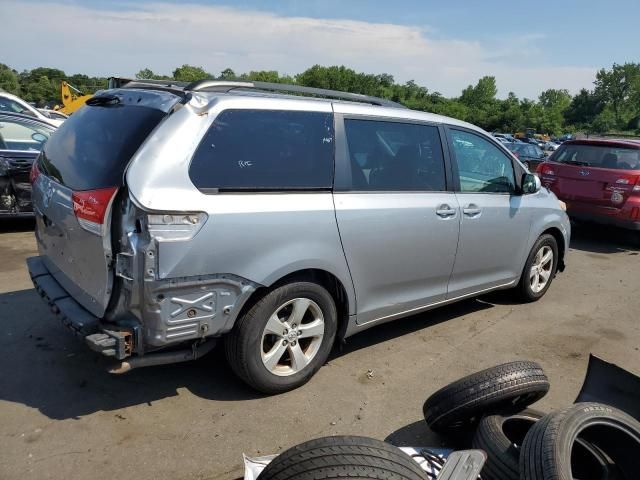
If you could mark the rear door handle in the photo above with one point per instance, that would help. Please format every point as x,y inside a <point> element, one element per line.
<point>445,211</point>
<point>472,210</point>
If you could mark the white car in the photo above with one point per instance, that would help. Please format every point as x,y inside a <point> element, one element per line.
<point>12,104</point>
<point>53,114</point>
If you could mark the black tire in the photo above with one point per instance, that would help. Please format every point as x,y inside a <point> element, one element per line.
<point>505,388</point>
<point>524,290</point>
<point>501,437</point>
<point>343,457</point>
<point>243,344</point>
<point>548,451</point>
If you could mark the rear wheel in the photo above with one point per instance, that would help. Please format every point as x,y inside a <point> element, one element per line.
<point>540,269</point>
<point>282,340</point>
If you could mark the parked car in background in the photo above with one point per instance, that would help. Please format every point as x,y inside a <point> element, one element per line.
<point>504,137</point>
<point>21,139</point>
<point>13,104</point>
<point>529,154</point>
<point>278,223</point>
<point>551,146</point>
<point>53,114</point>
<point>599,180</point>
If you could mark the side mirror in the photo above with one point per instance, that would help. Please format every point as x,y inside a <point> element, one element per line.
<point>531,183</point>
<point>39,137</point>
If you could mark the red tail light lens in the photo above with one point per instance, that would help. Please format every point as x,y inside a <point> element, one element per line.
<point>546,169</point>
<point>90,207</point>
<point>34,173</point>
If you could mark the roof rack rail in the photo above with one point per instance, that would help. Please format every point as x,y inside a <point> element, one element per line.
<point>171,86</point>
<point>122,82</point>
<point>226,86</point>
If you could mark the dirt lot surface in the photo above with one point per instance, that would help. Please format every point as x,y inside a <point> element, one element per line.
<point>63,416</point>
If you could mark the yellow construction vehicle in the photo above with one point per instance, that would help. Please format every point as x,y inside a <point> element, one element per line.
<point>72,98</point>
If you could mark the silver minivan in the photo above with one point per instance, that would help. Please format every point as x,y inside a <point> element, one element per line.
<point>171,216</point>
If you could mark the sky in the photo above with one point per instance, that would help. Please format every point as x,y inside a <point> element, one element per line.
<point>442,45</point>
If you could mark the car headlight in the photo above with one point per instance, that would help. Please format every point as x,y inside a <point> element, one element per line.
<point>563,205</point>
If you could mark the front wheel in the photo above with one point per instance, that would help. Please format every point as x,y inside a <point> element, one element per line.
<point>540,269</point>
<point>282,340</point>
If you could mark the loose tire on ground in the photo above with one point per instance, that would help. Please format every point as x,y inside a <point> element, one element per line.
<point>244,345</point>
<point>343,457</point>
<point>524,289</point>
<point>547,449</point>
<point>509,388</point>
<point>501,437</point>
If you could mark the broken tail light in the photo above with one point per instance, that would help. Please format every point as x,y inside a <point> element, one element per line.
<point>34,173</point>
<point>90,207</point>
<point>172,227</point>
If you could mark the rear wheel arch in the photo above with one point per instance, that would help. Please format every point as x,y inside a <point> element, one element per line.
<point>326,279</point>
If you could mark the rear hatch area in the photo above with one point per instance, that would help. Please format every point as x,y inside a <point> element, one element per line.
<point>76,181</point>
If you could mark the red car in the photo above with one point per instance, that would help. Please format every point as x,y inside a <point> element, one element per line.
<point>599,180</point>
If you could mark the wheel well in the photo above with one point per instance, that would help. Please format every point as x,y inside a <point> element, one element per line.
<point>557,234</point>
<point>329,281</point>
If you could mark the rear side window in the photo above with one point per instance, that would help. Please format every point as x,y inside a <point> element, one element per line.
<point>598,156</point>
<point>265,150</point>
<point>394,156</point>
<point>93,147</point>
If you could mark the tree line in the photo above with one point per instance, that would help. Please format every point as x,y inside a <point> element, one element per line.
<point>612,105</point>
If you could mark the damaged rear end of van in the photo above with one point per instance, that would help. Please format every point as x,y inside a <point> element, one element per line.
<point>97,267</point>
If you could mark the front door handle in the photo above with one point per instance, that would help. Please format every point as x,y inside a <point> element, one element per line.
<point>472,210</point>
<point>445,211</point>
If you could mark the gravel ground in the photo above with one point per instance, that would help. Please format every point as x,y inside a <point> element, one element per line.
<point>63,416</point>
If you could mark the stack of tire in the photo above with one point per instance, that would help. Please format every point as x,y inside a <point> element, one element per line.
<point>583,442</point>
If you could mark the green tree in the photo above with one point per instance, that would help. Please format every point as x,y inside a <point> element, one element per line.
<point>228,74</point>
<point>189,73</point>
<point>553,103</point>
<point>9,81</point>
<point>616,87</point>
<point>266,76</point>
<point>483,94</point>
<point>583,109</point>
<point>145,74</point>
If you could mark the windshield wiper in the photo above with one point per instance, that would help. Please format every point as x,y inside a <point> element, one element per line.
<point>575,162</point>
<point>103,100</point>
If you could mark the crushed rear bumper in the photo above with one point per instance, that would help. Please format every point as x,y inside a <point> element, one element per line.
<point>109,342</point>
<point>66,309</point>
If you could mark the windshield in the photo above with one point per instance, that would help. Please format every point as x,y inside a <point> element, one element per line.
<point>599,156</point>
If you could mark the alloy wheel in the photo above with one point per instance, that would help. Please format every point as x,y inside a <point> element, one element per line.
<point>292,336</point>
<point>540,272</point>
